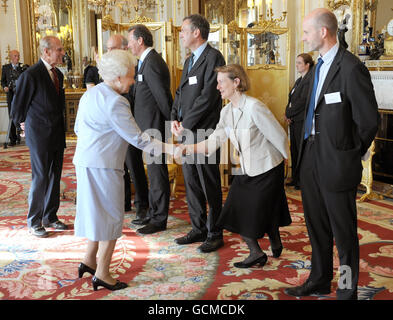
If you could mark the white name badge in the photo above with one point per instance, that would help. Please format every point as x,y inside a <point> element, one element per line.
<point>140,77</point>
<point>192,80</point>
<point>334,97</point>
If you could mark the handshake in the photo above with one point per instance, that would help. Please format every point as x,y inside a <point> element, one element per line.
<point>182,150</point>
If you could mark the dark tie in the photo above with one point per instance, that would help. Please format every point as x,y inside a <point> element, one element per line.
<point>190,63</point>
<point>310,111</point>
<point>55,80</point>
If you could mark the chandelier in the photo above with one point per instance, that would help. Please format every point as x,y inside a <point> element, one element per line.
<point>105,7</point>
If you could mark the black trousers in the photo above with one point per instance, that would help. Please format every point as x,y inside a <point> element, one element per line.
<point>134,167</point>
<point>295,132</point>
<point>44,195</point>
<point>159,191</point>
<point>13,135</point>
<point>203,184</point>
<point>330,215</point>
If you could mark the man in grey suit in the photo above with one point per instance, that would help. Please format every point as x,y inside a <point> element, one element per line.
<point>152,107</point>
<point>197,105</point>
<point>340,123</point>
<point>38,107</point>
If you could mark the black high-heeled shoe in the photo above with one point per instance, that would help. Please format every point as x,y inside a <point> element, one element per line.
<point>117,286</point>
<point>277,252</point>
<point>261,261</point>
<point>84,268</point>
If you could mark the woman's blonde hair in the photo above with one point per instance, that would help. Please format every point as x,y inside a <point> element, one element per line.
<point>114,64</point>
<point>236,71</point>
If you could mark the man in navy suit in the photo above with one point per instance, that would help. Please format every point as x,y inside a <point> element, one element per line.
<point>340,123</point>
<point>38,107</point>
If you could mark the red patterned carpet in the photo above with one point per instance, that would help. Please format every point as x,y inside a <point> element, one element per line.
<point>155,267</point>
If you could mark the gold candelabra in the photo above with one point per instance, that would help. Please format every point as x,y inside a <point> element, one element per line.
<point>105,7</point>
<point>267,21</point>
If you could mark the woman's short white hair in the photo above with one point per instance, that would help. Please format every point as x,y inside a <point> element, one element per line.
<point>114,64</point>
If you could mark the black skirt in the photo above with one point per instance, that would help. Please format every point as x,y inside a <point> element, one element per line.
<point>256,205</point>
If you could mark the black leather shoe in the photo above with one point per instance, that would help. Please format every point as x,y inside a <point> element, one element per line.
<point>117,286</point>
<point>141,217</point>
<point>11,144</point>
<point>260,260</point>
<point>191,237</point>
<point>39,232</point>
<point>307,289</point>
<point>84,268</point>
<point>57,225</point>
<point>211,245</point>
<point>140,221</point>
<point>277,252</point>
<point>151,228</point>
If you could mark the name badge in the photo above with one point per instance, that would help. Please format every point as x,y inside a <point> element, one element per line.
<point>334,97</point>
<point>192,80</point>
<point>140,77</point>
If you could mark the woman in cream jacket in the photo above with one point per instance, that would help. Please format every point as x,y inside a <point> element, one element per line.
<point>256,203</point>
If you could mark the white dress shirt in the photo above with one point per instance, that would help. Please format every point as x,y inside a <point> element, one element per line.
<point>144,54</point>
<point>323,71</point>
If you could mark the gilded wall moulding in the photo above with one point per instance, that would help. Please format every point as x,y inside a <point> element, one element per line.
<point>335,4</point>
<point>234,27</point>
<point>139,19</point>
<point>4,5</point>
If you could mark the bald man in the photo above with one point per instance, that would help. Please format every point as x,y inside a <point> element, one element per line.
<point>340,123</point>
<point>9,74</point>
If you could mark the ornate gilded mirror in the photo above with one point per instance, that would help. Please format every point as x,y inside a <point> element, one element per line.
<point>52,17</point>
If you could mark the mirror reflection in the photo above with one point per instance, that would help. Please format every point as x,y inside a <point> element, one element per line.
<point>53,17</point>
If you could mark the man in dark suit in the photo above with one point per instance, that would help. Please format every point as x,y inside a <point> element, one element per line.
<point>197,105</point>
<point>9,74</point>
<point>38,106</point>
<point>340,123</point>
<point>152,107</point>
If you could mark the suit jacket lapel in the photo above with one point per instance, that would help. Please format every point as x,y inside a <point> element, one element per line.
<point>195,67</point>
<point>334,68</point>
<point>48,79</point>
<point>200,60</point>
<point>237,117</point>
<point>144,60</point>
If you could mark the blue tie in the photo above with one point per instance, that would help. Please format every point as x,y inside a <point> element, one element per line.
<point>310,111</point>
<point>190,63</point>
<point>139,64</point>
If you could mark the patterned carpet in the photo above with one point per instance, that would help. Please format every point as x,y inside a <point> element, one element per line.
<point>155,267</point>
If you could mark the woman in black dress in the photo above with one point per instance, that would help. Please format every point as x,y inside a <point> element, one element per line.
<point>256,202</point>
